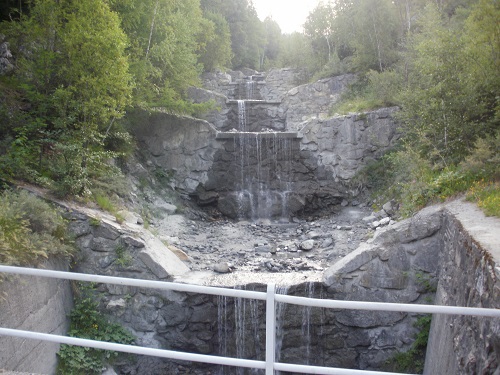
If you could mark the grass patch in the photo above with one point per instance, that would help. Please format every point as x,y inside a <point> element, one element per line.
<point>31,230</point>
<point>371,91</point>
<point>107,205</point>
<point>487,196</point>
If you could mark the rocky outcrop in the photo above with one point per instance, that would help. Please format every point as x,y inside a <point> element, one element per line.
<point>280,81</point>
<point>180,147</point>
<point>400,264</point>
<point>127,249</point>
<point>447,249</point>
<point>314,100</point>
<point>340,146</point>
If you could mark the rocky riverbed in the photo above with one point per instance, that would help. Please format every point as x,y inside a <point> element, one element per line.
<point>224,252</point>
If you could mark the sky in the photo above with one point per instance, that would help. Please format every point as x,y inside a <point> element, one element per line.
<point>289,14</point>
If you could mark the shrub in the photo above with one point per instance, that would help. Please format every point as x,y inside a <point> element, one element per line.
<point>88,323</point>
<point>413,360</point>
<point>30,230</point>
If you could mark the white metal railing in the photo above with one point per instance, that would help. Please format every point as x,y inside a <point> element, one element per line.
<point>269,365</point>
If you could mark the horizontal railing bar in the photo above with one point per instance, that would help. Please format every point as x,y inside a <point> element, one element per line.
<point>385,306</point>
<point>303,301</point>
<point>307,369</point>
<point>170,354</point>
<point>165,285</point>
<point>163,353</point>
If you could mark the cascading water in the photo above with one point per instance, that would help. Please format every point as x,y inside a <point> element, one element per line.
<point>250,88</point>
<point>264,171</point>
<point>280,319</point>
<point>238,334</point>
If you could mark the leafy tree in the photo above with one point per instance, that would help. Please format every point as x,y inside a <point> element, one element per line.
<point>163,49</point>
<point>320,29</point>
<point>247,32</point>
<point>216,49</point>
<point>72,71</point>
<point>449,101</point>
<point>375,34</point>
<point>273,40</point>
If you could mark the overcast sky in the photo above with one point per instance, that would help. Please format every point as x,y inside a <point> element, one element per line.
<point>289,14</point>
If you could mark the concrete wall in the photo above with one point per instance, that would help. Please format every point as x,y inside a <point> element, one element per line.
<point>469,275</point>
<point>34,304</point>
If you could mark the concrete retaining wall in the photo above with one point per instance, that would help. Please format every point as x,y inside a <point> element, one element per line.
<point>469,275</point>
<point>34,304</point>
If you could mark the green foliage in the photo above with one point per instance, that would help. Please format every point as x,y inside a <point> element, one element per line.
<point>104,203</point>
<point>123,258</point>
<point>30,230</point>
<point>248,38</point>
<point>487,197</point>
<point>215,52</point>
<point>426,282</point>
<point>413,360</point>
<point>88,323</point>
<point>72,74</point>
<point>448,104</point>
<point>371,91</point>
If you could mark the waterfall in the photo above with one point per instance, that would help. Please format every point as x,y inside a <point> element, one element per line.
<point>262,162</point>
<point>250,88</point>
<point>242,116</point>
<point>306,324</point>
<point>238,334</point>
<point>280,320</point>
<point>222,329</point>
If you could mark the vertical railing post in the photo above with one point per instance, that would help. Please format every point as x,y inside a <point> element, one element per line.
<point>270,329</point>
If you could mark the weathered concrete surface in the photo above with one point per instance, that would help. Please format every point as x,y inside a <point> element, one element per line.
<point>469,275</point>
<point>34,304</point>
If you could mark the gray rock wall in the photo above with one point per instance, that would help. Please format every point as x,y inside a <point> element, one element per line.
<point>182,147</point>
<point>398,265</point>
<point>34,304</point>
<point>319,166</point>
<point>342,145</point>
<point>313,100</point>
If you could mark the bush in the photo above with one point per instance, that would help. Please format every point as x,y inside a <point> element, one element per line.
<point>413,360</point>
<point>30,230</point>
<point>88,323</point>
